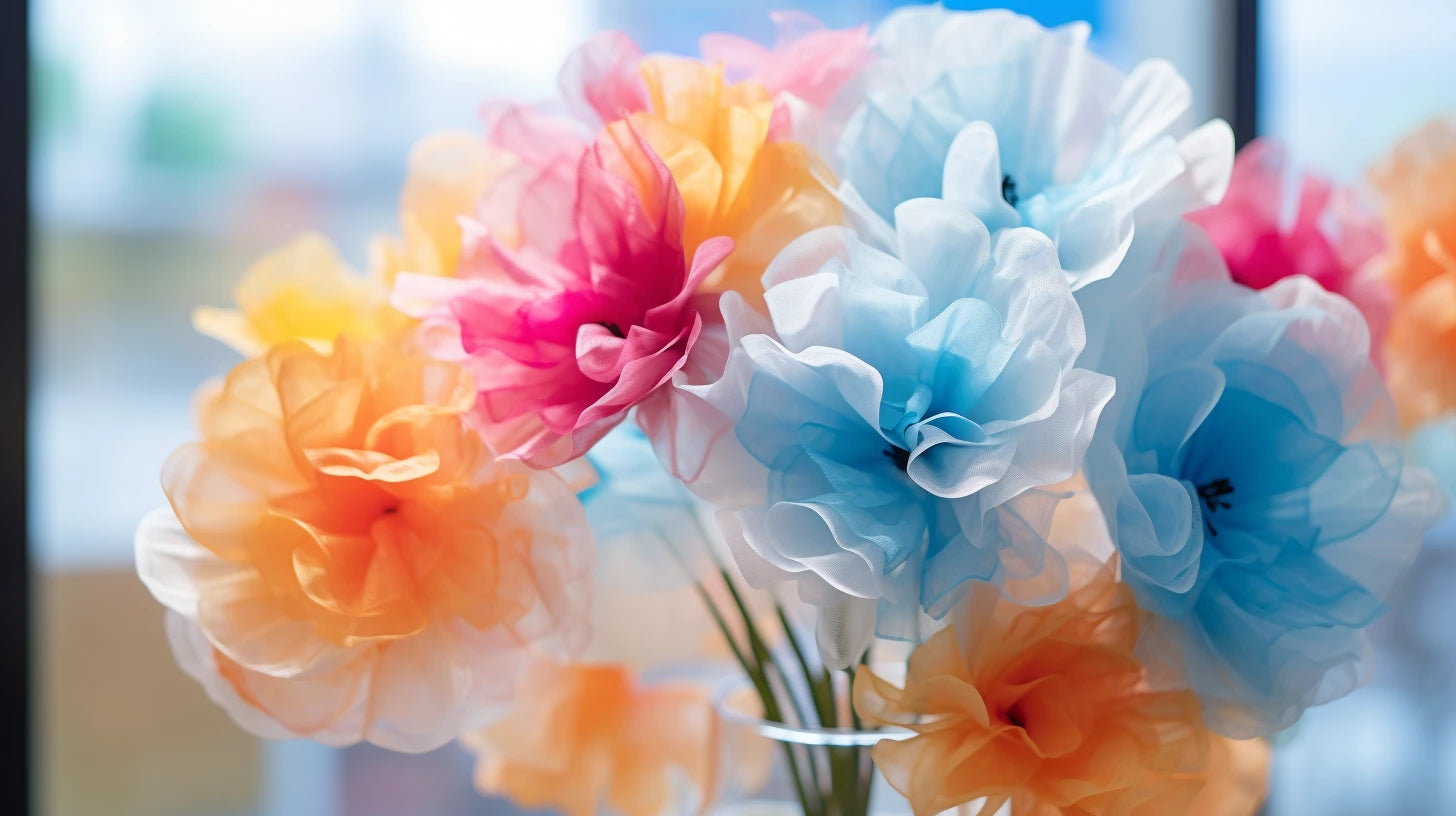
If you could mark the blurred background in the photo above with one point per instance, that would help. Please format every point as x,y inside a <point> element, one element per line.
<point>175,140</point>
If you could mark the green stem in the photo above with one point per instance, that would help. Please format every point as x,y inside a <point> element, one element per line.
<point>808,683</point>
<point>823,703</point>
<point>753,667</point>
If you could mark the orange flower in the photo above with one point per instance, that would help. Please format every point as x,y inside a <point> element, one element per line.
<point>1236,779</point>
<point>347,561</point>
<point>734,179</point>
<point>1417,184</point>
<point>582,735</point>
<point>1417,187</point>
<point>1042,707</point>
<point>1420,351</point>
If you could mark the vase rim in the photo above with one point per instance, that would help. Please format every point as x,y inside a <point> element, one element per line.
<point>797,734</point>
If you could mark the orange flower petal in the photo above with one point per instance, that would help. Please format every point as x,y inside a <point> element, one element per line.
<point>1044,707</point>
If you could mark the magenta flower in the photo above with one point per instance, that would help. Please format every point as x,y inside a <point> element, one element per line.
<point>573,302</point>
<point>1329,237</point>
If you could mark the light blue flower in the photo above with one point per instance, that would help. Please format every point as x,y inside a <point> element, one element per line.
<point>1023,126</point>
<point>1249,472</point>
<point>882,439</point>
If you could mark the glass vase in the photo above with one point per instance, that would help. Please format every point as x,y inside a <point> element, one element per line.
<point>771,768</point>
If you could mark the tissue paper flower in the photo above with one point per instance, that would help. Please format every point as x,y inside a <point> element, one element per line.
<point>1023,126</point>
<point>582,736</point>
<point>590,312</point>
<point>1418,204</point>
<point>1046,708</point>
<point>303,291</point>
<point>347,561</point>
<point>1251,478</point>
<point>808,62</point>
<point>1328,237</point>
<point>882,440</point>
<point>737,177</point>
<point>1415,183</point>
<point>448,173</point>
<point>1235,783</point>
<point>1420,349</point>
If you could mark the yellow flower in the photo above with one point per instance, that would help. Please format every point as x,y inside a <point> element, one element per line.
<point>302,291</point>
<point>735,180</point>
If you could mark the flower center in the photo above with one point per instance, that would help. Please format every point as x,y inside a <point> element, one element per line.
<point>1008,190</point>
<point>899,456</point>
<point>614,329</point>
<point>1213,494</point>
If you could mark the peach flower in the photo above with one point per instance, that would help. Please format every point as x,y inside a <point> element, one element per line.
<point>344,559</point>
<point>1042,707</point>
<point>1420,348</point>
<point>1416,186</point>
<point>584,735</point>
<point>1418,203</point>
<point>1236,781</point>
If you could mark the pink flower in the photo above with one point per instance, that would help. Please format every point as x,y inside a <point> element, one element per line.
<point>1330,237</point>
<point>807,65</point>
<point>574,302</point>
<point>808,60</point>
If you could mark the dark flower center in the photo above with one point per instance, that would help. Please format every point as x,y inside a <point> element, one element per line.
<point>899,456</point>
<point>614,329</point>
<point>1008,190</point>
<point>1213,494</point>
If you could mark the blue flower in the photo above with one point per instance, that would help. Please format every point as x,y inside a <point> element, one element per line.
<point>1250,476</point>
<point>881,439</point>
<point>1023,126</point>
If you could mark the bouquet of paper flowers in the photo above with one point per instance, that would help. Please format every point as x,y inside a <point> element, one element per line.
<point>937,401</point>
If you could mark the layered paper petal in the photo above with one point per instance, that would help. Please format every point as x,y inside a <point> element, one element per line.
<point>1044,708</point>
<point>726,140</point>
<point>448,173</point>
<point>346,560</point>
<point>584,736</point>
<point>1418,203</point>
<point>1024,126</point>
<point>1326,237</point>
<point>575,303</point>
<point>1420,350</point>
<point>303,291</point>
<point>1250,475</point>
<point>884,437</point>
<point>808,60</point>
<point>714,137</point>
